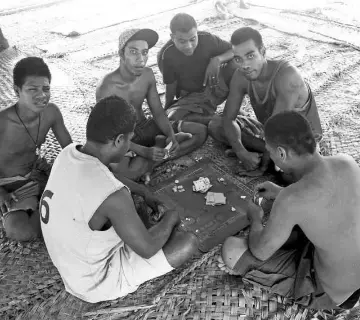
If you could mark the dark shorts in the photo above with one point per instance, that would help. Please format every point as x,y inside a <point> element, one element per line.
<point>290,273</point>
<point>32,187</point>
<point>146,131</point>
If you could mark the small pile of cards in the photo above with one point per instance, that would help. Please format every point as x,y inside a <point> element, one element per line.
<point>202,185</point>
<point>215,199</point>
<point>167,150</point>
<point>178,188</point>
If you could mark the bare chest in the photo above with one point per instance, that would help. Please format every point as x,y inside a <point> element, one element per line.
<point>18,144</point>
<point>134,93</point>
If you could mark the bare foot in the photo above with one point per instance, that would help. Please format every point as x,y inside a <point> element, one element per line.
<point>224,267</point>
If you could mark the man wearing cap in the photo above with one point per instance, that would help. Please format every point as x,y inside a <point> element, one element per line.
<point>196,70</point>
<point>135,82</point>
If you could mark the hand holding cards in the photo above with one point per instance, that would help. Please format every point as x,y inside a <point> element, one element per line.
<point>167,150</point>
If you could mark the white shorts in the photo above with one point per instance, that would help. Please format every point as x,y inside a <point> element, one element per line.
<point>136,270</point>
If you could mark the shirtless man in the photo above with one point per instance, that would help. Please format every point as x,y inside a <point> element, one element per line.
<point>197,70</point>
<point>273,86</point>
<point>322,207</point>
<point>106,251</point>
<point>134,82</point>
<point>23,129</point>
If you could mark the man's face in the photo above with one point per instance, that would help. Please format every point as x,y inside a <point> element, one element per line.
<point>35,93</point>
<point>135,56</point>
<point>249,58</point>
<point>122,146</point>
<point>186,42</point>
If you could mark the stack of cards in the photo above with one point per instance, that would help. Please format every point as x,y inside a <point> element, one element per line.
<point>201,185</point>
<point>215,199</point>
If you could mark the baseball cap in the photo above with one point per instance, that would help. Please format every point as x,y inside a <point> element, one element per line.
<point>148,35</point>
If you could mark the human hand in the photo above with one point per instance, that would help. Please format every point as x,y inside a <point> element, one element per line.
<point>212,72</point>
<point>152,201</point>
<point>250,160</point>
<point>6,200</point>
<point>175,147</point>
<point>253,173</point>
<point>268,190</point>
<point>254,212</point>
<point>156,153</point>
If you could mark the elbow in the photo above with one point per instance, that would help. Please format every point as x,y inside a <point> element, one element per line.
<point>148,252</point>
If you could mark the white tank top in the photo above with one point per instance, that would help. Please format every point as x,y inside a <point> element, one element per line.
<point>88,261</point>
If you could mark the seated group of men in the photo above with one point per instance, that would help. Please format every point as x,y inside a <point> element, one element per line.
<point>309,249</point>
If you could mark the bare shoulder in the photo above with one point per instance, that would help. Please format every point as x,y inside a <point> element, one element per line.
<point>52,111</point>
<point>342,160</point>
<point>5,115</point>
<point>291,199</point>
<point>105,84</point>
<point>148,75</point>
<point>289,76</point>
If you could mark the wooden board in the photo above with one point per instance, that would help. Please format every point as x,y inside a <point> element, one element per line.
<point>212,224</point>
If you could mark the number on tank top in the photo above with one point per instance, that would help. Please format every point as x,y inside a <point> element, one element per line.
<point>44,206</point>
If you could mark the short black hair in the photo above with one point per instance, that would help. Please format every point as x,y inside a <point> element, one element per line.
<point>244,34</point>
<point>290,130</point>
<point>182,22</point>
<point>110,117</point>
<point>30,66</point>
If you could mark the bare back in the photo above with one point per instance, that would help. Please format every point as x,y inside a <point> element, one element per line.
<point>135,92</point>
<point>17,147</point>
<point>328,213</point>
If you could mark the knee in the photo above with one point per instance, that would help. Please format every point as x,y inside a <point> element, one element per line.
<point>181,247</point>
<point>177,115</point>
<point>20,229</point>
<point>232,250</point>
<point>201,132</point>
<point>215,126</point>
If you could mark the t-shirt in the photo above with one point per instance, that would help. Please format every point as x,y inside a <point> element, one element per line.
<point>189,71</point>
<point>88,261</point>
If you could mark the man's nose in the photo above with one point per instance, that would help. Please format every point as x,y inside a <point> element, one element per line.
<point>141,58</point>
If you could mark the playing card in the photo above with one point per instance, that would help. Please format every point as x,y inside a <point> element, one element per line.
<point>168,147</point>
<point>167,150</point>
<point>215,198</point>
<point>201,185</point>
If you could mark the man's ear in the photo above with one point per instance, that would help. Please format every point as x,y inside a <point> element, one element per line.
<point>281,153</point>
<point>119,139</point>
<point>172,36</point>
<point>16,90</point>
<point>263,51</point>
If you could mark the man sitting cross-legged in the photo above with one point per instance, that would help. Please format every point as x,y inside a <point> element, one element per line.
<point>23,129</point>
<point>135,82</point>
<point>273,86</point>
<point>309,249</point>
<point>90,226</point>
<point>197,70</point>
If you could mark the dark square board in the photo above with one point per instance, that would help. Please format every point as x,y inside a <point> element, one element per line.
<point>212,224</point>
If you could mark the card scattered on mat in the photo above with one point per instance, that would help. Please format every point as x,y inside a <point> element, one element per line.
<point>212,224</point>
